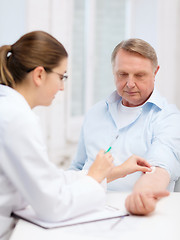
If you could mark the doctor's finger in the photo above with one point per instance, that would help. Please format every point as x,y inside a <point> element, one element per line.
<point>101,152</point>
<point>144,169</point>
<point>143,162</point>
<point>108,156</point>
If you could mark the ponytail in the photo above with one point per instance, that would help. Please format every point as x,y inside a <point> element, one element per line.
<point>6,77</point>
<point>33,49</point>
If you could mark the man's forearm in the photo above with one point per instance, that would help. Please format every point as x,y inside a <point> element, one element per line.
<point>156,181</point>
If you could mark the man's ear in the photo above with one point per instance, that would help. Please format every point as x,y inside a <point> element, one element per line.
<point>38,75</point>
<point>157,69</point>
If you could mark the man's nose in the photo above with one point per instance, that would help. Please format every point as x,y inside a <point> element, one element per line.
<point>130,82</point>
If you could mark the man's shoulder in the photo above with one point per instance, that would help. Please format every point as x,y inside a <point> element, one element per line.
<point>168,108</point>
<point>170,111</point>
<point>103,105</point>
<point>165,116</point>
<point>98,107</point>
<point>96,113</point>
<point>161,106</point>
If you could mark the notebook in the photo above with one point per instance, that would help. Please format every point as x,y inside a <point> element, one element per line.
<point>107,213</point>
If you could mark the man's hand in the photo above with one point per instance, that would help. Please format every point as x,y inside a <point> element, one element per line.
<point>147,191</point>
<point>143,203</point>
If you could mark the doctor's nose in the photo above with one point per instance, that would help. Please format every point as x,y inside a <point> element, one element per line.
<point>61,86</point>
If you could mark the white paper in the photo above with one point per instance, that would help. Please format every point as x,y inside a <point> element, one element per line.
<point>107,213</point>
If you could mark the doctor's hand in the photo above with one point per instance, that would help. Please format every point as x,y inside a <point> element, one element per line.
<point>131,165</point>
<point>101,167</point>
<point>143,203</point>
<point>134,164</point>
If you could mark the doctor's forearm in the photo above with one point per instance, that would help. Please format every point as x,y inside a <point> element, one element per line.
<point>116,173</point>
<point>156,181</point>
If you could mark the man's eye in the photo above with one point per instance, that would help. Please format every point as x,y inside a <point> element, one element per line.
<point>122,74</point>
<point>139,75</point>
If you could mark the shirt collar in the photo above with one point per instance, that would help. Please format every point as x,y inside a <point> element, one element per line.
<point>114,97</point>
<point>155,99</point>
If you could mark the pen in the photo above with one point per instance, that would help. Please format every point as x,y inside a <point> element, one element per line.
<point>117,222</point>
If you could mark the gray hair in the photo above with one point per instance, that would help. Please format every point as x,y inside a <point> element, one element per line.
<point>139,46</point>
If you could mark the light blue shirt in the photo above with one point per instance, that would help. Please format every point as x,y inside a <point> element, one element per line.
<point>153,133</point>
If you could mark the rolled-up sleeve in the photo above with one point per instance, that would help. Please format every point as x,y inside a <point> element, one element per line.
<point>165,146</point>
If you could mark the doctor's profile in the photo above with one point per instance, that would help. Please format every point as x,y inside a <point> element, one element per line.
<point>32,71</point>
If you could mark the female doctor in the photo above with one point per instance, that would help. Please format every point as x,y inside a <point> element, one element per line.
<point>31,73</point>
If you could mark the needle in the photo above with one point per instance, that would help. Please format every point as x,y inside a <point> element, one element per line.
<point>112,144</point>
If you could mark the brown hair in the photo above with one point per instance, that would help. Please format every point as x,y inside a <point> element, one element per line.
<point>139,46</point>
<point>33,49</point>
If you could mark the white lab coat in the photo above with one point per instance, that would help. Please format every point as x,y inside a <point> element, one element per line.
<point>28,177</point>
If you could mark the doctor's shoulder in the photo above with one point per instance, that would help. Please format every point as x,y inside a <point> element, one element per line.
<point>16,113</point>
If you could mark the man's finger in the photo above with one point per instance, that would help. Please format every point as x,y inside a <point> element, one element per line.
<point>161,194</point>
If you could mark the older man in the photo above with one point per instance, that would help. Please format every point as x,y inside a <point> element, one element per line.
<point>135,119</point>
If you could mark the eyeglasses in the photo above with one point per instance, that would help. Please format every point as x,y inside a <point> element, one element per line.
<point>63,77</point>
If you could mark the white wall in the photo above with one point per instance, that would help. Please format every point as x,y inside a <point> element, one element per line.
<point>156,21</point>
<point>142,21</point>
<point>168,24</point>
<point>53,16</point>
<point>12,20</point>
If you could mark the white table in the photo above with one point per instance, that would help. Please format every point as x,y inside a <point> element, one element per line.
<point>163,224</point>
